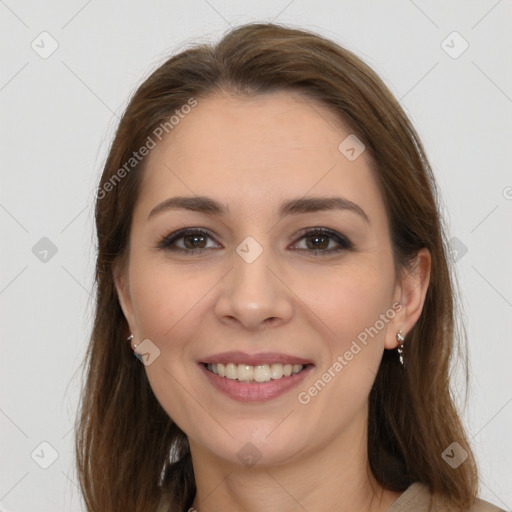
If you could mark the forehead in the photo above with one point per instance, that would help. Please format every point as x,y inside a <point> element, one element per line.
<point>254,127</point>
<point>249,150</point>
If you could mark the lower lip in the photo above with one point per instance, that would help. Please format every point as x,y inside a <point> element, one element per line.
<point>255,391</point>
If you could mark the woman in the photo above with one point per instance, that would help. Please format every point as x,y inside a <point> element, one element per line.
<point>270,248</point>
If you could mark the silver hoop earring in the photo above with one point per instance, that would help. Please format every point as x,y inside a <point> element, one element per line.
<point>130,338</point>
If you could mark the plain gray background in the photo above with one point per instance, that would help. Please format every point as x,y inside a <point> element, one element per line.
<point>59,113</point>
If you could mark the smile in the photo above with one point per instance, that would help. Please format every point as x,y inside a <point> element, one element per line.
<point>259,373</point>
<point>256,378</point>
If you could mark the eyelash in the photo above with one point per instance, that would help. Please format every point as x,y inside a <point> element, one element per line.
<point>168,240</point>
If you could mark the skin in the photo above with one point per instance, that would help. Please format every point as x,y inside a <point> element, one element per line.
<point>251,154</point>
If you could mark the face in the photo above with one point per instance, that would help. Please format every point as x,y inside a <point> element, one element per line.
<point>264,282</point>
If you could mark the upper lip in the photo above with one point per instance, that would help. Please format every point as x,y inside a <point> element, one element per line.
<point>253,359</point>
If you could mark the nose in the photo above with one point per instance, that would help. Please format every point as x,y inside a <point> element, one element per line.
<point>254,294</point>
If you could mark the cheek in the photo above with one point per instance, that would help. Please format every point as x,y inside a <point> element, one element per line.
<point>165,295</point>
<point>167,302</point>
<point>348,300</point>
<point>355,305</point>
<point>352,307</point>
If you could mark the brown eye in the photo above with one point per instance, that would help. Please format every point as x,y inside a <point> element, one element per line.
<point>317,241</point>
<point>194,241</point>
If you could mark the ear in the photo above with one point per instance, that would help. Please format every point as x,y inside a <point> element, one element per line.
<point>125,300</point>
<point>410,292</point>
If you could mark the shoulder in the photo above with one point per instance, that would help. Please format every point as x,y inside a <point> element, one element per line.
<point>484,506</point>
<point>418,498</point>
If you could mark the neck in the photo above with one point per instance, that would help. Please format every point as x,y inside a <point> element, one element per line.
<point>332,477</point>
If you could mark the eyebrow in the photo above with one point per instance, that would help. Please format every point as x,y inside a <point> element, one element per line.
<point>208,205</point>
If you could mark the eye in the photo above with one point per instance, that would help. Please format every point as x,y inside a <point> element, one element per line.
<point>318,240</point>
<point>194,241</point>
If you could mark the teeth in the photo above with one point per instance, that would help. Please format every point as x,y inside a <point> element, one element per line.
<point>276,371</point>
<point>245,372</point>
<point>259,373</point>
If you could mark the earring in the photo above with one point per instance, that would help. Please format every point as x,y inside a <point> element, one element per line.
<point>130,338</point>
<point>400,349</point>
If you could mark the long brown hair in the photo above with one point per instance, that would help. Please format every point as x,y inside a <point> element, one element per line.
<point>124,438</point>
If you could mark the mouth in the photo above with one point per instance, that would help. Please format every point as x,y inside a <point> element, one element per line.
<point>254,378</point>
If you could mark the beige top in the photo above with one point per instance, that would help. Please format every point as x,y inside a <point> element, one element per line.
<point>416,498</point>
